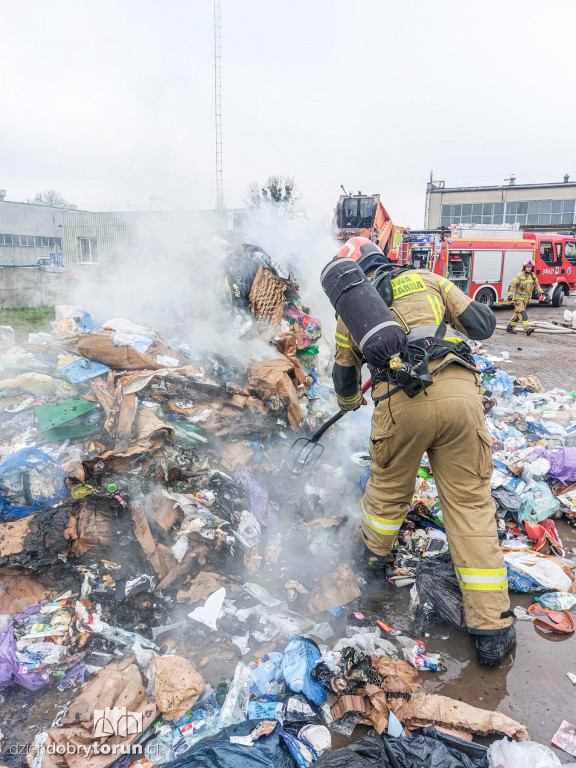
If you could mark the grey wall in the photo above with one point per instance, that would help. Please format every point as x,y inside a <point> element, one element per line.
<point>32,220</point>
<point>31,287</point>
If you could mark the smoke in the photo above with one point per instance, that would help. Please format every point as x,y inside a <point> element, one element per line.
<point>170,276</point>
<point>172,280</point>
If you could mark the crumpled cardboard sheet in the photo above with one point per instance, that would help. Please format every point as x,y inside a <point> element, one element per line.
<point>133,430</point>
<point>273,379</point>
<point>267,296</point>
<point>187,378</point>
<point>353,703</point>
<point>148,434</point>
<point>92,526</point>
<point>337,588</point>
<point>101,348</point>
<point>195,557</point>
<point>177,685</point>
<point>200,587</point>
<point>19,589</point>
<point>397,676</point>
<point>159,555</point>
<point>423,709</point>
<point>286,345</point>
<point>236,454</point>
<point>530,384</point>
<point>119,684</point>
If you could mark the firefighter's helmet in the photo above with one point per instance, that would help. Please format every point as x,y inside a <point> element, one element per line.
<point>359,249</point>
<point>528,263</point>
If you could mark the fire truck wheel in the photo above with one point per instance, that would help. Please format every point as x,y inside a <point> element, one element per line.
<point>485,296</point>
<point>557,296</point>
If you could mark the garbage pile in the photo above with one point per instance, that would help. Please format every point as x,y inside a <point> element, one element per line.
<point>173,595</point>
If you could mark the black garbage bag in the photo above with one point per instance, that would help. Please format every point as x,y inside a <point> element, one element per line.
<point>299,712</point>
<point>507,502</point>
<point>434,749</point>
<point>217,751</point>
<point>427,747</point>
<point>439,595</point>
<point>368,752</point>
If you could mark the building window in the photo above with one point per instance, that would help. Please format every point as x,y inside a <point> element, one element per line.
<point>88,249</point>
<point>27,241</point>
<point>527,212</point>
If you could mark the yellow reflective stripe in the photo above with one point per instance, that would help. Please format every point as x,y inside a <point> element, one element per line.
<point>435,304</point>
<point>342,341</point>
<point>483,587</point>
<point>442,281</point>
<point>380,524</point>
<point>348,400</point>
<point>482,579</point>
<point>406,284</point>
<point>454,339</point>
<point>481,571</point>
<point>447,288</point>
<point>445,283</point>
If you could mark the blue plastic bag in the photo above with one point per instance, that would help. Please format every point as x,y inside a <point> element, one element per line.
<point>299,657</point>
<point>29,481</point>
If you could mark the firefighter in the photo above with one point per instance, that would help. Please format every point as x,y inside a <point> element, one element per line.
<point>446,421</point>
<point>520,292</point>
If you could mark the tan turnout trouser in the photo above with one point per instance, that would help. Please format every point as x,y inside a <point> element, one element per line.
<point>447,421</point>
<point>520,315</point>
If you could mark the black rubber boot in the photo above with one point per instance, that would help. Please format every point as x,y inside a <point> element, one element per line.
<point>374,565</point>
<point>491,649</point>
<point>529,331</point>
<point>510,329</point>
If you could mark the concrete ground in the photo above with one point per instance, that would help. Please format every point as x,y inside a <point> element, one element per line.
<point>550,357</point>
<point>531,686</point>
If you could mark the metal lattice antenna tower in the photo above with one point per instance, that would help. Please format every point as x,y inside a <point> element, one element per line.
<point>218,104</point>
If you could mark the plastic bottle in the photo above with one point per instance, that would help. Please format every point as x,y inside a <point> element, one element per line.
<point>159,750</point>
<point>557,601</point>
<point>235,706</point>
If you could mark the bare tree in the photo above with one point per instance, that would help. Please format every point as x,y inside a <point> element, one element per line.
<point>277,192</point>
<point>51,198</point>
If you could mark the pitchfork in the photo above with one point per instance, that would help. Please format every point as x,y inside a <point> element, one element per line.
<point>305,452</point>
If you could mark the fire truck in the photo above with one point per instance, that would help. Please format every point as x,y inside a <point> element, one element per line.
<point>483,267</point>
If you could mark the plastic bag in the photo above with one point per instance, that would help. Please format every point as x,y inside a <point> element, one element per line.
<point>543,572</point>
<point>218,752</point>
<point>439,594</point>
<point>524,754</point>
<point>500,383</point>
<point>538,504</point>
<point>29,481</point>
<point>563,464</point>
<point>299,657</point>
<point>427,747</point>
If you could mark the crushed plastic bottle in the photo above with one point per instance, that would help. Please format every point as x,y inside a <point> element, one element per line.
<point>235,707</point>
<point>557,601</point>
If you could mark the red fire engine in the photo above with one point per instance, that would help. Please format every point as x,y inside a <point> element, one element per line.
<point>484,268</point>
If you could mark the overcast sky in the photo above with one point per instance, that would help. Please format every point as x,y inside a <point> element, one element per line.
<point>111,101</point>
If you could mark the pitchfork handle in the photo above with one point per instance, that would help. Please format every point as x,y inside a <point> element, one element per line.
<point>337,416</point>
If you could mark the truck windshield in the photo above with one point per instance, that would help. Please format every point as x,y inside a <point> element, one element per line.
<point>357,212</point>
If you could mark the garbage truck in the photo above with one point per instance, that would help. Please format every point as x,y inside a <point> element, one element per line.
<point>365,216</point>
